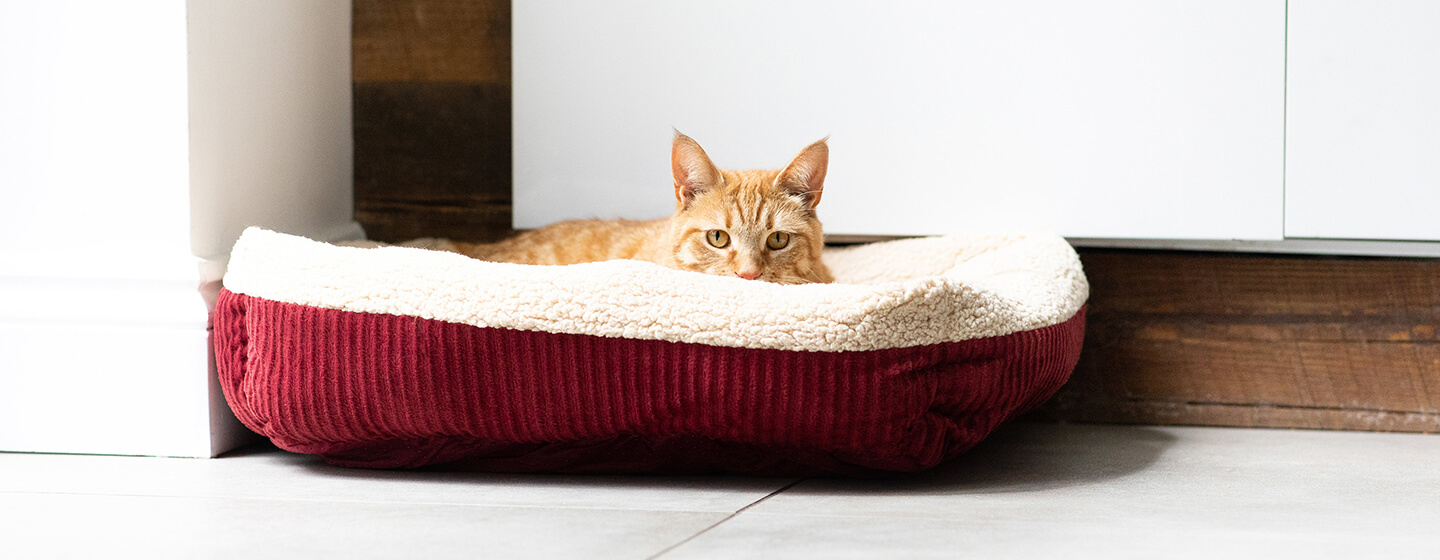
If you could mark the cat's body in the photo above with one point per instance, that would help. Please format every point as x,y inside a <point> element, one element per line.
<point>751,224</point>
<point>573,242</point>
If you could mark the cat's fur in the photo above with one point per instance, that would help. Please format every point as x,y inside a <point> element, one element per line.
<point>748,206</point>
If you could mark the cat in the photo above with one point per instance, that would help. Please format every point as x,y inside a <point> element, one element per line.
<point>756,225</point>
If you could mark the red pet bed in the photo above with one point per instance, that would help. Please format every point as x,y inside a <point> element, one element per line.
<point>401,357</point>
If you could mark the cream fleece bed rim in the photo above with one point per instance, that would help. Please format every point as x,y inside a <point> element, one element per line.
<point>894,294</point>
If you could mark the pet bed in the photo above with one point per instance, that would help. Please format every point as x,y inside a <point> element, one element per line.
<point>399,357</point>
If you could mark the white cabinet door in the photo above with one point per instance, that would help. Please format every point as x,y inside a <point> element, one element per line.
<point>1363,129</point>
<point>1093,119</point>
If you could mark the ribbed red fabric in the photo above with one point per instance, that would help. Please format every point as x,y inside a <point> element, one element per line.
<point>392,391</point>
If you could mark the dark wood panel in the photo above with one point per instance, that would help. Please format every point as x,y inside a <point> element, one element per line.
<point>432,160</point>
<point>459,41</point>
<point>1393,376</point>
<point>399,222</point>
<point>1258,340</point>
<point>1154,412</point>
<point>1224,284</point>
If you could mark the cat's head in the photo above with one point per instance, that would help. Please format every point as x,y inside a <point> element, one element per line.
<point>758,225</point>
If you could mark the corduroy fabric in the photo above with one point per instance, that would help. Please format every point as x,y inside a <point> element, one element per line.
<point>381,390</point>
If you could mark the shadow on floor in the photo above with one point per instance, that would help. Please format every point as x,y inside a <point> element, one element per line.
<point>267,451</point>
<point>1019,457</point>
<point>1025,456</point>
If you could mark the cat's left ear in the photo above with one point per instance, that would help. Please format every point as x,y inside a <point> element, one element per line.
<point>805,176</point>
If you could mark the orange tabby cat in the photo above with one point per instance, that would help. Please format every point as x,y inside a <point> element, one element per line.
<point>757,225</point>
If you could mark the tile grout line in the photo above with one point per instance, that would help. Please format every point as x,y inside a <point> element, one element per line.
<point>667,549</point>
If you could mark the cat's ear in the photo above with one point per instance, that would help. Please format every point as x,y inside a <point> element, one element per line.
<point>805,176</point>
<point>694,173</point>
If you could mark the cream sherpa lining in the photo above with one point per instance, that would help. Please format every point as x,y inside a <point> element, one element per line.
<point>894,294</point>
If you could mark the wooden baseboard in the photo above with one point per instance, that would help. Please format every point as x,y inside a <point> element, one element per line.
<point>1258,340</point>
<point>1247,415</point>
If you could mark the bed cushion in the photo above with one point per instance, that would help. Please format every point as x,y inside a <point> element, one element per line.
<point>401,357</point>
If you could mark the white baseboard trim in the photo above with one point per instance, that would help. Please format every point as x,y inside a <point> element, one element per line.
<point>105,389</point>
<point>112,366</point>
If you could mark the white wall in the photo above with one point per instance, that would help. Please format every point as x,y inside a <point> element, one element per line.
<point>270,133</point>
<point>97,272</point>
<point>93,150</point>
<point>1094,119</point>
<point>1363,128</point>
<point>136,140</point>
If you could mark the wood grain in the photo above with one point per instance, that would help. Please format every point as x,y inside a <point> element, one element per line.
<point>456,41</point>
<point>1258,340</point>
<point>437,155</point>
<point>432,119</point>
<point>1174,413</point>
<point>1251,284</point>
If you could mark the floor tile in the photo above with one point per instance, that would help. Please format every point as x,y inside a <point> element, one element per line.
<point>1032,490</point>
<point>1250,478</point>
<point>267,473</point>
<point>786,537</point>
<point>102,526</point>
<point>1106,491</point>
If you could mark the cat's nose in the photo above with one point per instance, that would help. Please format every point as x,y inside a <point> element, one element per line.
<point>748,274</point>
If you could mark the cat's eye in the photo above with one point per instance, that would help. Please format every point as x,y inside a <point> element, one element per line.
<point>717,238</point>
<point>777,240</point>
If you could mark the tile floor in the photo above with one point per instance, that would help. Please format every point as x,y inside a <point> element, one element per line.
<point>1031,491</point>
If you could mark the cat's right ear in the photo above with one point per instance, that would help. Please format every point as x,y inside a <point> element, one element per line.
<point>693,171</point>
